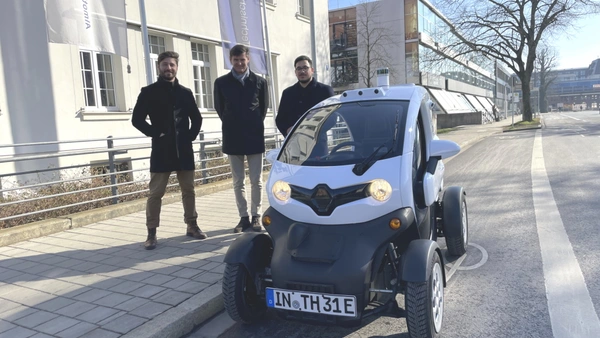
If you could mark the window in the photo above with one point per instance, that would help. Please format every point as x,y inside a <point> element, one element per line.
<point>302,9</point>
<point>202,79</point>
<point>156,44</point>
<point>98,79</point>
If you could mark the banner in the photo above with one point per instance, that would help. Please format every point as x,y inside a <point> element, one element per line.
<point>97,25</point>
<point>241,23</point>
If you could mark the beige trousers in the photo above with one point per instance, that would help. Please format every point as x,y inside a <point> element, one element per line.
<point>158,186</point>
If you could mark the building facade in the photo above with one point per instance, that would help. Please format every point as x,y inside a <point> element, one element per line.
<point>574,88</point>
<point>406,36</point>
<point>60,92</point>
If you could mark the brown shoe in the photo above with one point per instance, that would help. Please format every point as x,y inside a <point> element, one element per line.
<point>150,242</point>
<point>194,231</point>
<point>256,224</point>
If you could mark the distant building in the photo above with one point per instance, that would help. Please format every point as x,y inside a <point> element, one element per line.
<point>465,90</point>
<point>575,88</point>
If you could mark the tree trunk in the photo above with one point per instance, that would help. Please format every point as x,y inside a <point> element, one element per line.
<point>527,113</point>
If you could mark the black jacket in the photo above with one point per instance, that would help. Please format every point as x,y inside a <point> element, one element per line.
<point>170,107</point>
<point>242,110</point>
<point>295,101</point>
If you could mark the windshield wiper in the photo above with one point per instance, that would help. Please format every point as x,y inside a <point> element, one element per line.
<point>362,167</point>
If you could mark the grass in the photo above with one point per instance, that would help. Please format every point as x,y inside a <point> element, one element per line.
<point>445,130</point>
<point>534,123</point>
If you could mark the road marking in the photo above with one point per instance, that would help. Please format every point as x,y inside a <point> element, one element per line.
<point>572,312</point>
<point>571,117</point>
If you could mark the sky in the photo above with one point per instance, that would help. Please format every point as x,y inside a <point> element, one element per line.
<point>576,48</point>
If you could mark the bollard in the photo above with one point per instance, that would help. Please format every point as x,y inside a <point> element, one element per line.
<point>111,169</point>
<point>203,158</point>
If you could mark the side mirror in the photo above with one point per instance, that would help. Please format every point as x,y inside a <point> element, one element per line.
<point>443,148</point>
<point>272,155</point>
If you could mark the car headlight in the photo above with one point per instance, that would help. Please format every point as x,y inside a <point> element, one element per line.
<point>380,190</point>
<point>281,190</point>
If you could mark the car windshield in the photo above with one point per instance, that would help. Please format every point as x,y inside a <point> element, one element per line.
<point>346,133</point>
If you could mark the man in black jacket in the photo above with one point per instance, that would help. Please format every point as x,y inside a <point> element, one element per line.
<point>300,97</point>
<point>241,100</point>
<point>171,107</point>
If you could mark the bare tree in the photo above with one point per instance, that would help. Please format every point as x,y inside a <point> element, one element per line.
<point>374,42</point>
<point>510,31</point>
<point>545,63</point>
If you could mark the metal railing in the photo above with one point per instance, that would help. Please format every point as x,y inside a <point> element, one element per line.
<point>102,176</point>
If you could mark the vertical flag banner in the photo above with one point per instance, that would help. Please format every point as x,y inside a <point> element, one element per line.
<point>241,23</point>
<point>97,25</point>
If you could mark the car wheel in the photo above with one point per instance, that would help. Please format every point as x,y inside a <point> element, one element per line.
<point>455,220</point>
<point>240,297</point>
<point>424,302</point>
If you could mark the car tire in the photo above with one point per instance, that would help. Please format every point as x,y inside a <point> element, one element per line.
<point>455,221</point>
<point>424,303</point>
<point>240,297</point>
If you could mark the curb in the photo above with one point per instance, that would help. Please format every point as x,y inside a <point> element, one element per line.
<point>50,226</point>
<point>182,319</point>
<point>539,126</point>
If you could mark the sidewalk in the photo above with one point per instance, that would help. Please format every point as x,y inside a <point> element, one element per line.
<point>98,281</point>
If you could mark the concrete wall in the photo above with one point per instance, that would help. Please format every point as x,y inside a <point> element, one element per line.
<point>453,120</point>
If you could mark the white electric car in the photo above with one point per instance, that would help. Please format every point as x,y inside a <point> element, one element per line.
<point>356,205</point>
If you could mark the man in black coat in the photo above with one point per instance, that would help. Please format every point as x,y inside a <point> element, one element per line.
<point>241,100</point>
<point>300,97</point>
<point>171,107</point>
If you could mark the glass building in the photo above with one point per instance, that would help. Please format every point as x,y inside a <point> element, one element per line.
<point>467,90</point>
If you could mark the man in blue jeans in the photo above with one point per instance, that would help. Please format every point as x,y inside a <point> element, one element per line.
<point>241,100</point>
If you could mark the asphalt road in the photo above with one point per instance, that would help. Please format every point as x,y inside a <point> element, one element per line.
<point>532,267</point>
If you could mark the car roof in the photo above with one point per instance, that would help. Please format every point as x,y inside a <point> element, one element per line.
<point>400,92</point>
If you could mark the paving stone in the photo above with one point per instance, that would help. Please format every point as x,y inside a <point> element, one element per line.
<point>17,312</point>
<point>175,283</point>
<point>6,305</point>
<point>150,310</point>
<point>146,291</point>
<point>108,283</point>
<point>5,326</point>
<point>97,314</point>
<point>140,276</point>
<point>78,330</point>
<point>92,295</point>
<point>126,287</point>
<point>18,332</point>
<point>51,286</point>
<point>186,273</point>
<point>57,272</point>
<point>192,287</point>
<point>53,259</point>
<point>124,323</point>
<point>113,300</point>
<point>35,319</point>
<point>75,309</point>
<point>85,266</point>
<point>208,277</point>
<point>28,297</point>
<point>158,279</point>
<point>132,304</point>
<point>171,297</point>
<point>56,325</point>
<point>100,333</point>
<point>55,304</point>
<point>8,274</point>
<point>41,335</point>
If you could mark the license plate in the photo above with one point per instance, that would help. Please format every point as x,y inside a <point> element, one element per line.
<point>328,304</point>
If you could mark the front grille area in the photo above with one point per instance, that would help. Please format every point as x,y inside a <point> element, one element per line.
<point>323,200</point>
<point>319,288</point>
